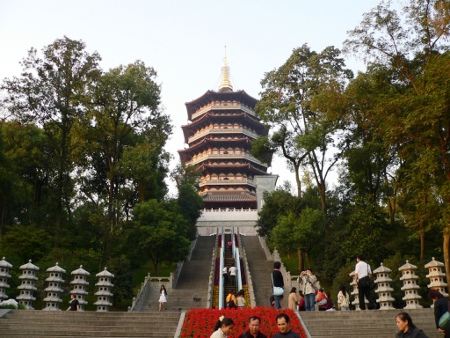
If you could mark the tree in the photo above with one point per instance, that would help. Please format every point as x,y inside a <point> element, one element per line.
<point>417,120</point>
<point>51,92</point>
<point>297,102</point>
<point>158,230</point>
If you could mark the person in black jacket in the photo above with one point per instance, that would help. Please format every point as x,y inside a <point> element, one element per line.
<point>278,280</point>
<point>440,308</point>
<point>406,328</point>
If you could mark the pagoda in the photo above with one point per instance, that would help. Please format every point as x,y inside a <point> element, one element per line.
<point>222,126</point>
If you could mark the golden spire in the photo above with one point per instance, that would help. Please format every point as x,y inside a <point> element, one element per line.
<point>225,83</point>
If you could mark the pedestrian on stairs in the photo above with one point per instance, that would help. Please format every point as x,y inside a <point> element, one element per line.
<point>232,269</point>
<point>162,298</point>
<point>277,282</point>
<point>225,275</point>
<point>406,327</point>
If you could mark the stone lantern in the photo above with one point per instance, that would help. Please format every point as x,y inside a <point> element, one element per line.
<point>79,286</point>
<point>384,289</point>
<point>27,287</point>
<point>103,294</point>
<point>410,286</point>
<point>436,276</point>
<point>54,290</point>
<point>4,275</point>
<point>355,292</point>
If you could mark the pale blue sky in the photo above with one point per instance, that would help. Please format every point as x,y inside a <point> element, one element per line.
<point>183,40</point>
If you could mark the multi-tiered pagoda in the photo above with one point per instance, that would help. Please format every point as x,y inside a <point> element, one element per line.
<point>222,127</point>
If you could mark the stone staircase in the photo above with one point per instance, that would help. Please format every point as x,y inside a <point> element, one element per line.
<point>192,283</point>
<point>260,269</point>
<point>40,324</point>
<point>367,324</point>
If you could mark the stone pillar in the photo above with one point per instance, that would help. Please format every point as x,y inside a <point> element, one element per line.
<point>54,290</point>
<point>355,292</point>
<point>436,276</point>
<point>384,289</point>
<point>103,294</point>
<point>410,286</point>
<point>79,286</point>
<point>4,275</point>
<point>27,287</point>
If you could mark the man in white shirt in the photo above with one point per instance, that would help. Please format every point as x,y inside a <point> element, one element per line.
<point>363,273</point>
<point>232,269</point>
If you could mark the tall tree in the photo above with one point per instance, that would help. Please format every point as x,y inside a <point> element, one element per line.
<point>296,101</point>
<point>416,120</point>
<point>51,92</point>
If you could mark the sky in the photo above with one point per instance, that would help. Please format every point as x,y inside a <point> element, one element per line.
<point>184,41</point>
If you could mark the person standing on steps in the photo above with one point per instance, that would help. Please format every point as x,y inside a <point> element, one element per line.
<point>292,299</point>
<point>162,298</point>
<point>232,269</point>
<point>74,304</point>
<point>309,286</point>
<point>277,281</point>
<point>225,275</point>
<point>363,274</point>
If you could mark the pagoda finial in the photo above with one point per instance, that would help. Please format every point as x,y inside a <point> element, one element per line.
<point>225,83</point>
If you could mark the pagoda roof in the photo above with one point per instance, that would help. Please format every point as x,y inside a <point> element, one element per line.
<point>211,197</point>
<point>184,153</point>
<point>210,95</point>
<point>214,167</point>
<point>189,129</point>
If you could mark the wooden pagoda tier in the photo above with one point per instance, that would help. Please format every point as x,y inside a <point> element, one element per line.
<point>222,126</point>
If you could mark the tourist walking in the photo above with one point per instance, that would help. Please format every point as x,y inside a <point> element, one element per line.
<point>74,304</point>
<point>363,274</point>
<point>233,270</point>
<point>309,289</point>
<point>162,298</point>
<point>240,299</point>
<point>292,299</point>
<point>406,328</point>
<point>284,327</point>
<point>223,327</point>
<point>277,282</point>
<point>440,309</point>
<point>254,323</point>
<point>343,299</point>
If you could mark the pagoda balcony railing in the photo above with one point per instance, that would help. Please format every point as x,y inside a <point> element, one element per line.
<point>227,181</point>
<point>226,157</point>
<point>230,131</point>
<point>228,106</point>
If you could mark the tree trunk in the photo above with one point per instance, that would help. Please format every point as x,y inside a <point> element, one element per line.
<point>422,246</point>
<point>300,260</point>
<point>447,252</point>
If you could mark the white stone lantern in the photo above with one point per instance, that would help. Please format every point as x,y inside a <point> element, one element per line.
<point>54,289</point>
<point>79,284</point>
<point>4,275</point>
<point>436,276</point>
<point>410,286</point>
<point>384,289</point>
<point>355,292</point>
<point>104,294</point>
<point>27,287</point>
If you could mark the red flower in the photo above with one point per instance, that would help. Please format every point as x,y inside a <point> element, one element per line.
<point>200,323</point>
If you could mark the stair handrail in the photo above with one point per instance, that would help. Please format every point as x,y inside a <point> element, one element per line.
<point>210,297</point>
<point>141,296</point>
<point>262,240</point>
<point>222,261</point>
<point>176,274</point>
<point>248,275</point>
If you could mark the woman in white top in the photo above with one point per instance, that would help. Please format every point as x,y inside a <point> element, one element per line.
<point>223,328</point>
<point>343,299</point>
<point>162,298</point>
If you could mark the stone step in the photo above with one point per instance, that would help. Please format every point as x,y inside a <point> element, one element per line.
<point>25,323</point>
<point>377,323</point>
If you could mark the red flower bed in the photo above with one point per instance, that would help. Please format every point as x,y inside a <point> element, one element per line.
<point>200,323</point>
